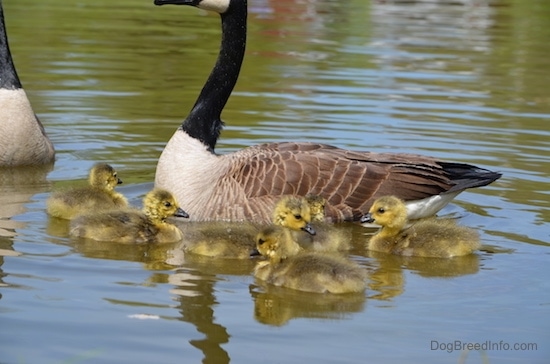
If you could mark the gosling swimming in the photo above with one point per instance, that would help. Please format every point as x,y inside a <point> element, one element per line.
<point>289,266</point>
<point>234,240</point>
<point>440,238</point>
<point>98,196</point>
<point>293,211</point>
<point>218,239</point>
<point>133,226</point>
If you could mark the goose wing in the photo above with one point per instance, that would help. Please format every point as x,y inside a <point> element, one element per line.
<point>349,180</point>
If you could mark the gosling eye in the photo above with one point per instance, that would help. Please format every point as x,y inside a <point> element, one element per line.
<point>381,210</point>
<point>115,175</point>
<point>167,204</point>
<point>298,217</point>
<point>261,241</point>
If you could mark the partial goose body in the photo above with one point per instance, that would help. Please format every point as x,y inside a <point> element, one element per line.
<point>133,226</point>
<point>289,266</point>
<point>293,212</point>
<point>23,140</point>
<point>245,185</point>
<point>438,238</point>
<point>100,195</point>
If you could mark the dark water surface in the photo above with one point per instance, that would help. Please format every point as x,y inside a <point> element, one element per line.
<point>111,80</point>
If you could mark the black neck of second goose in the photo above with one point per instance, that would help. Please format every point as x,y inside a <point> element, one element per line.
<point>204,121</point>
<point>8,75</point>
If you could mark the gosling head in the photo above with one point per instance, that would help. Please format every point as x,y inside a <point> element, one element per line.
<point>104,176</point>
<point>387,211</point>
<point>159,204</point>
<point>294,213</point>
<point>276,244</point>
<point>219,6</point>
<point>268,242</point>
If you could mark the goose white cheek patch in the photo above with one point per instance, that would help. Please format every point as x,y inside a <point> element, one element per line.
<point>219,6</point>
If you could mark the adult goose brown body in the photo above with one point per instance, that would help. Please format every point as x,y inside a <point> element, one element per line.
<point>245,185</point>
<point>23,140</point>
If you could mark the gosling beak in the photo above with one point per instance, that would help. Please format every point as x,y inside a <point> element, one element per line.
<point>367,218</point>
<point>177,2</point>
<point>254,253</point>
<point>309,229</point>
<point>118,181</point>
<point>180,213</point>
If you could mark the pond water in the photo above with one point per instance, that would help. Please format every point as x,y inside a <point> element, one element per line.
<point>465,81</point>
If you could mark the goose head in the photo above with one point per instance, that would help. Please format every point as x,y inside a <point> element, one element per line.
<point>294,213</point>
<point>388,211</point>
<point>104,176</point>
<point>160,204</point>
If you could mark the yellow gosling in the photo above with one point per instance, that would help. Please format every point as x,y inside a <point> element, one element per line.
<point>100,195</point>
<point>133,226</point>
<point>439,238</point>
<point>289,266</point>
<point>296,212</point>
<point>217,239</point>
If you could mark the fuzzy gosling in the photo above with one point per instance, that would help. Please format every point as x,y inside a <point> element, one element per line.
<point>133,226</point>
<point>100,195</point>
<point>293,211</point>
<point>289,266</point>
<point>438,238</point>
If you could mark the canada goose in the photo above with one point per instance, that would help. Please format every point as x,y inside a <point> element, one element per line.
<point>100,195</point>
<point>23,140</point>
<point>133,226</point>
<point>440,238</point>
<point>289,266</point>
<point>295,212</point>
<point>246,184</point>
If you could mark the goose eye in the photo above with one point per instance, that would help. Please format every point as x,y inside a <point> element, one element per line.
<point>114,175</point>
<point>261,241</point>
<point>298,217</point>
<point>381,210</point>
<point>167,204</point>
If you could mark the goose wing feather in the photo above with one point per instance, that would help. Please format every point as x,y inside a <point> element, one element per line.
<point>348,180</point>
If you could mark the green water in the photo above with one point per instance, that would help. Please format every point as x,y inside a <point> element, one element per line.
<point>111,81</point>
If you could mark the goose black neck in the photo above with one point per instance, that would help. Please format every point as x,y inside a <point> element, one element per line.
<point>204,121</point>
<point>8,75</point>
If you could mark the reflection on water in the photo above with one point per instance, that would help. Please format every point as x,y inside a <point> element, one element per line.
<point>277,306</point>
<point>17,188</point>
<point>460,80</point>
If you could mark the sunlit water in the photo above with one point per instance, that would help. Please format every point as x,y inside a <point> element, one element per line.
<point>461,80</point>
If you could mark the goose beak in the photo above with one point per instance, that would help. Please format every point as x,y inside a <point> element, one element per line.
<point>180,213</point>
<point>309,229</point>
<point>178,2</point>
<point>367,218</point>
<point>119,181</point>
<point>254,253</point>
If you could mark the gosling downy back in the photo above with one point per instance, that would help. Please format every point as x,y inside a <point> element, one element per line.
<point>23,140</point>
<point>245,185</point>
<point>439,238</point>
